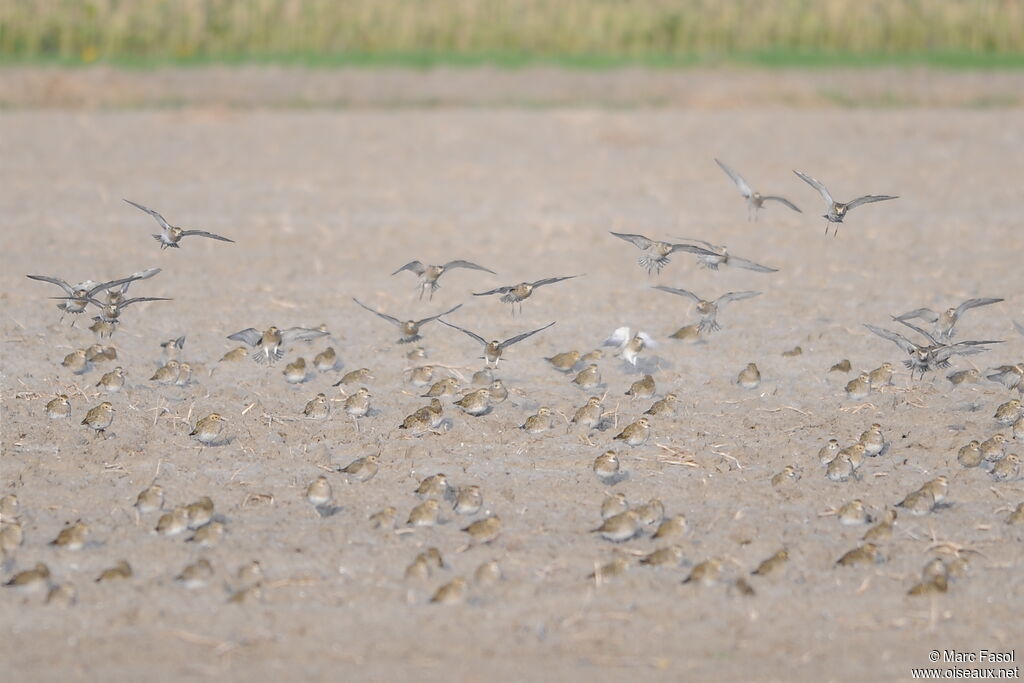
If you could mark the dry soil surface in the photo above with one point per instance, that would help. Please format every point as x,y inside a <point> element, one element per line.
<point>323,206</point>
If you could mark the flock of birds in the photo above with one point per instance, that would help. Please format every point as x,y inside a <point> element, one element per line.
<point>621,521</point>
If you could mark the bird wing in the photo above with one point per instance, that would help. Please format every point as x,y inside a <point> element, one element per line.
<point>146,274</point>
<point>467,264</point>
<point>159,219</point>
<point>178,343</point>
<point>435,317</point>
<point>973,303</point>
<point>415,266</point>
<point>924,333</point>
<point>617,338</point>
<point>868,199</point>
<point>648,340</point>
<point>693,249</point>
<point>781,200</point>
<point>707,245</point>
<point>496,290</point>
<point>203,233</point>
<point>1020,328</point>
<point>53,281</point>
<point>91,300</point>
<point>474,335</point>
<point>639,241</point>
<point>128,302</point>
<point>742,184</point>
<point>249,335</point>
<point>294,334</point>
<point>107,285</point>
<point>979,343</point>
<point>898,339</point>
<point>520,337</point>
<point>390,319</point>
<point>817,185</point>
<point>734,296</point>
<point>925,314</point>
<point>965,348</point>
<point>552,280</point>
<point>680,292</point>
<point>749,265</point>
<point>140,275</point>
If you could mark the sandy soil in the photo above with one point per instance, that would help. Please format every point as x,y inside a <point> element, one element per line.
<point>324,206</point>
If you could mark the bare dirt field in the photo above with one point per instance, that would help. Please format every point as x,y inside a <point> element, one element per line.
<point>323,206</point>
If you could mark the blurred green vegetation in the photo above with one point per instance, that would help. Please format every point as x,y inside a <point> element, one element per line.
<point>586,33</point>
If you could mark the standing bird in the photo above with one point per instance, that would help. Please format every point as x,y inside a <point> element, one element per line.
<point>945,321</point>
<point>476,403</point>
<point>59,408</point>
<point>540,422</point>
<point>755,200</point>
<point>565,361</point>
<point>656,254</point>
<point>208,430</point>
<point>516,294</point>
<point>589,414</point>
<point>923,358</point>
<point>99,418</point>
<point>358,405</point>
<point>721,257</point>
<point>493,349</point>
<point>635,433</point>
<point>319,495</point>
<point>361,469</point>
<point>429,275</point>
<point>79,295</point>
<point>113,381</point>
<point>318,408</point>
<point>268,347</point>
<point>749,377</point>
<point>836,211</point>
<point>170,235</point>
<point>709,309</point>
<point>410,328</point>
<point>588,378</point>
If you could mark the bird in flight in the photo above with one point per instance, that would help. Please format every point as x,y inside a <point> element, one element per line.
<point>115,295</point>
<point>78,296</point>
<point>944,322</point>
<point>836,211</point>
<point>721,257</point>
<point>629,345</point>
<point>170,235</point>
<point>656,254</point>
<point>755,200</point>
<point>268,346</point>
<point>708,309</point>
<point>935,354</point>
<point>493,349</point>
<point>516,294</point>
<point>110,312</point>
<point>410,328</point>
<point>429,275</point>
